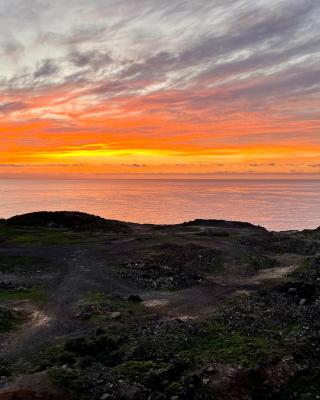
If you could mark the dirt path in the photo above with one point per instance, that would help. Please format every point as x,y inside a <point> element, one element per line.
<point>81,272</point>
<point>38,320</point>
<point>201,301</point>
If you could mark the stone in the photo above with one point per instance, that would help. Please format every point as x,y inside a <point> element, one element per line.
<point>302,302</point>
<point>105,396</point>
<point>115,315</point>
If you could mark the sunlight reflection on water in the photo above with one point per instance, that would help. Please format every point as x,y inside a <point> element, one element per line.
<point>275,204</point>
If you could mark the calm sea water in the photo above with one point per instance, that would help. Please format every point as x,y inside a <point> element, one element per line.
<point>275,204</point>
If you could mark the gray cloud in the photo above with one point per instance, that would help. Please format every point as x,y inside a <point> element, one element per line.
<point>79,35</point>
<point>11,47</point>
<point>93,59</point>
<point>11,107</point>
<point>46,68</point>
<point>271,33</point>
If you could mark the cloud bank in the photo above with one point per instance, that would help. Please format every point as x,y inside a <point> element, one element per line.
<point>192,82</point>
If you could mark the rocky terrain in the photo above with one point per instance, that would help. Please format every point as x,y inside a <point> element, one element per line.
<point>94,309</point>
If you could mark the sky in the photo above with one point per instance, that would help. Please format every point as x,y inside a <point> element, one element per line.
<point>96,87</point>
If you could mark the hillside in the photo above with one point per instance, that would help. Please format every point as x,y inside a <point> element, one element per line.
<point>96,309</point>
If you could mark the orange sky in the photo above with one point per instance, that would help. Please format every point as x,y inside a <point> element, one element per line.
<point>124,97</point>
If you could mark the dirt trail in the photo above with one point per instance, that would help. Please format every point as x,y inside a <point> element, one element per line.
<point>38,320</point>
<point>81,273</point>
<point>201,301</point>
<point>272,274</point>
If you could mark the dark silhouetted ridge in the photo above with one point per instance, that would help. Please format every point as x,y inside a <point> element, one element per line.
<point>220,223</point>
<point>68,220</point>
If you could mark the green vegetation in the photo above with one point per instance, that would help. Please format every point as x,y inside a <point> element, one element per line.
<point>10,319</point>
<point>305,266</point>
<point>219,344</point>
<point>258,262</point>
<point>36,295</point>
<point>43,236</point>
<point>134,369</point>
<point>98,305</point>
<point>96,297</point>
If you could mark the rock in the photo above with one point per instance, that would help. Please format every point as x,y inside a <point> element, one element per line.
<point>105,396</point>
<point>292,290</point>
<point>135,298</point>
<point>84,316</point>
<point>115,315</point>
<point>302,302</point>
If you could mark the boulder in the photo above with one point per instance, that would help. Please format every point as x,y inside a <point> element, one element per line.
<point>115,315</point>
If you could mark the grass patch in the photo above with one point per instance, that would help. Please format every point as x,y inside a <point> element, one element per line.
<point>220,345</point>
<point>305,266</point>
<point>96,297</point>
<point>10,319</point>
<point>119,303</point>
<point>101,301</point>
<point>44,236</point>
<point>36,295</point>
<point>134,369</point>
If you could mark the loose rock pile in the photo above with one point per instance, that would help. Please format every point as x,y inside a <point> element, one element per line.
<point>172,267</point>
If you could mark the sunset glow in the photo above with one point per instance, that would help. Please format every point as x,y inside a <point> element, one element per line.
<point>145,88</point>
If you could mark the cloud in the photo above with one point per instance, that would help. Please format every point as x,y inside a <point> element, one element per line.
<point>11,47</point>
<point>12,106</point>
<point>91,58</point>
<point>46,68</point>
<point>262,165</point>
<point>135,165</point>
<point>39,165</point>
<point>79,35</point>
<point>181,75</point>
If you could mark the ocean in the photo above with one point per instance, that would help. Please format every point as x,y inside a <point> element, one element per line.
<point>274,204</point>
